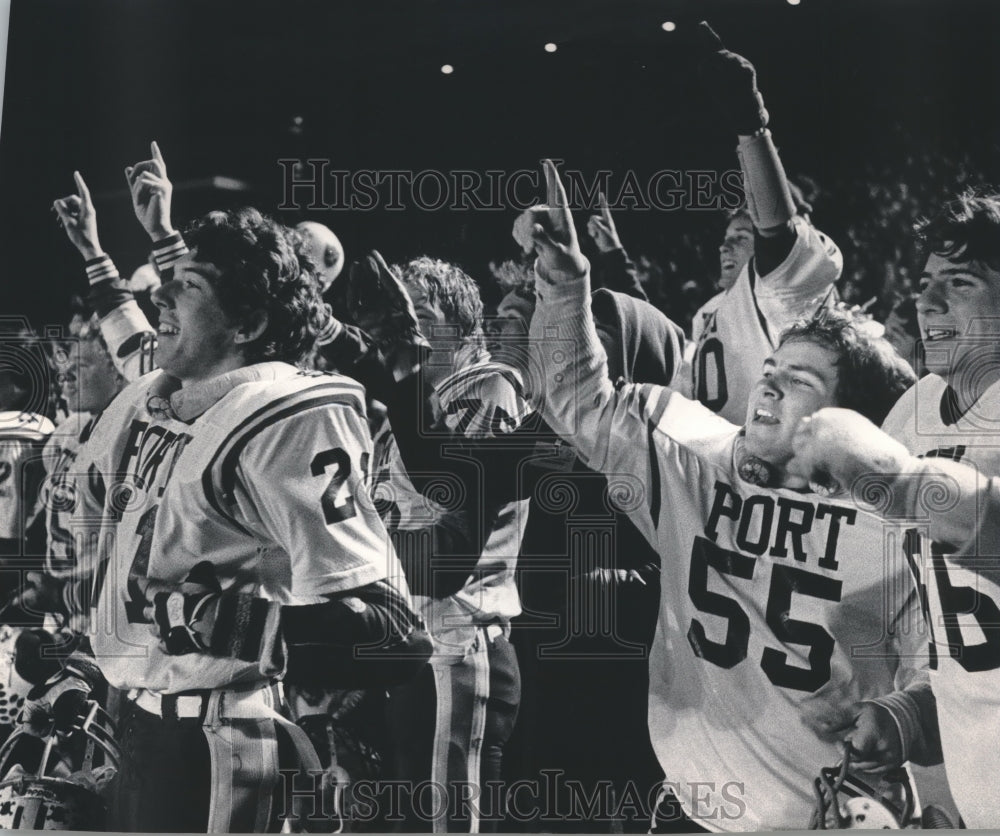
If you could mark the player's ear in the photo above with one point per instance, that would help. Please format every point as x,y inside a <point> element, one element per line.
<point>253,326</point>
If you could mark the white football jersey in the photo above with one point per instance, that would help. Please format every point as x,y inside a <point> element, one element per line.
<point>58,498</point>
<point>963,604</point>
<point>483,400</point>
<point>22,435</point>
<point>256,477</point>
<point>779,610</point>
<point>736,330</point>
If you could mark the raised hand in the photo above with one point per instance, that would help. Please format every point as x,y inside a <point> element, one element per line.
<point>731,85</point>
<point>375,300</point>
<point>79,218</point>
<point>602,229</point>
<point>151,194</point>
<point>550,231</point>
<point>838,446</point>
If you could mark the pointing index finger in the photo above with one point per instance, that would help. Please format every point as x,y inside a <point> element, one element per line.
<point>555,193</point>
<point>158,157</point>
<point>605,212</point>
<point>81,187</point>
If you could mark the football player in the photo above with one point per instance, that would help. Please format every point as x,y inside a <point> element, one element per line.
<point>89,381</point>
<point>23,430</point>
<point>88,385</point>
<point>450,724</point>
<point>775,266</point>
<point>239,545</point>
<point>776,639</point>
<point>954,413</point>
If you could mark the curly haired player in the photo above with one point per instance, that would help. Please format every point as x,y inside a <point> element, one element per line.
<point>237,531</point>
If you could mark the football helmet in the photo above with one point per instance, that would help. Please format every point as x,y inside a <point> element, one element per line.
<point>56,782</point>
<point>844,801</point>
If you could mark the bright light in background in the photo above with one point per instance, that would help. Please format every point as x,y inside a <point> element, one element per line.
<point>447,69</point>
<point>669,25</point>
<point>794,2</point>
<point>551,47</point>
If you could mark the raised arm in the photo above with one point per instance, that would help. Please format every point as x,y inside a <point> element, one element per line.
<point>788,250</point>
<point>129,336</point>
<point>960,504</point>
<point>611,430</point>
<point>614,270</point>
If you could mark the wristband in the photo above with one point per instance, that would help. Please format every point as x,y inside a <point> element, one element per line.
<point>101,269</point>
<point>168,251</point>
<point>769,199</point>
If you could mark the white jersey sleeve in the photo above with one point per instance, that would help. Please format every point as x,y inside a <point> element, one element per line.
<point>610,429</point>
<point>130,338</point>
<point>305,485</point>
<point>797,286</point>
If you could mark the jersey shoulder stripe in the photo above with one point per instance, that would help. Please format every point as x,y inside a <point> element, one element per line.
<point>654,474</point>
<point>455,383</point>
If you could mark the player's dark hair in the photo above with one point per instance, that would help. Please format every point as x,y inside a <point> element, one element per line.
<point>262,269</point>
<point>871,375</point>
<point>452,289</point>
<point>966,228</point>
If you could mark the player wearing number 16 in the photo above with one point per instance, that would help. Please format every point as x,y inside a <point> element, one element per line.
<point>782,631</point>
<point>954,413</point>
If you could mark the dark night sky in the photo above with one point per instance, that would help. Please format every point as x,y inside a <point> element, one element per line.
<point>218,83</point>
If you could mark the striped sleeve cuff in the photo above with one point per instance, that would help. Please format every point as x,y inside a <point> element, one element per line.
<point>331,330</point>
<point>101,269</point>
<point>906,715</point>
<point>168,251</point>
<point>241,626</point>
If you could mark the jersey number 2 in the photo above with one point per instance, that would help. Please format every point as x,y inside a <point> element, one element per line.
<point>338,504</point>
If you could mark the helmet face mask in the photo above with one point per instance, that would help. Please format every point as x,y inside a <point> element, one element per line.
<point>844,801</point>
<point>60,788</point>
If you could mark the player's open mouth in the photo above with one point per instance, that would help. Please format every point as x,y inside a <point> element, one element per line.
<point>728,265</point>
<point>762,416</point>
<point>932,334</point>
<point>168,330</point>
